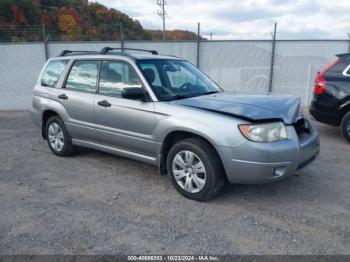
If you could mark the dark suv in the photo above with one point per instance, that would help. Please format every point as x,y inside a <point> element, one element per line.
<point>331,101</point>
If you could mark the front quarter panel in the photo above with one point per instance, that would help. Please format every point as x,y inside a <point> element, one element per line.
<point>219,130</point>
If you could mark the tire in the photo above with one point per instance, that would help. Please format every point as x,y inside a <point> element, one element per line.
<point>212,176</point>
<point>345,126</point>
<point>58,138</point>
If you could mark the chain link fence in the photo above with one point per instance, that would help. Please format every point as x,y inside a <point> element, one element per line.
<point>239,66</point>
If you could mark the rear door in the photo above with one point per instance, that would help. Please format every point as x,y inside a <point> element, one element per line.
<point>123,123</point>
<point>77,96</point>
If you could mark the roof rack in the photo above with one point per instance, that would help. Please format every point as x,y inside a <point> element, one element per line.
<point>107,49</point>
<point>343,54</point>
<point>66,52</point>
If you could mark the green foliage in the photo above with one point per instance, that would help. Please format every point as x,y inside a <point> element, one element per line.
<point>24,20</point>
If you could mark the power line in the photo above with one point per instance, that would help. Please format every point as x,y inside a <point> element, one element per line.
<point>162,13</point>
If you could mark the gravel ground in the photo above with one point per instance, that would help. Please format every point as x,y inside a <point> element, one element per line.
<point>96,203</point>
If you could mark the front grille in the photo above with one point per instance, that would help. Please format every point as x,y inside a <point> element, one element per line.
<point>301,125</point>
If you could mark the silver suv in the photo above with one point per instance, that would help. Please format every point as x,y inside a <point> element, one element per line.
<point>164,111</point>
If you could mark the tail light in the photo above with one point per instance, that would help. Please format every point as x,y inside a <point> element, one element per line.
<point>320,81</point>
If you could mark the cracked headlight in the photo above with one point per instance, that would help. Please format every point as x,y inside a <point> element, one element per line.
<point>264,132</point>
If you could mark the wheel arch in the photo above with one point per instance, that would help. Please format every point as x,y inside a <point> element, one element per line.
<point>177,135</point>
<point>45,117</point>
<point>344,109</point>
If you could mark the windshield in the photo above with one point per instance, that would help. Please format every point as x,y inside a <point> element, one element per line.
<point>176,79</point>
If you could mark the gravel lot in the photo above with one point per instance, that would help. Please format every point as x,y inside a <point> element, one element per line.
<point>96,203</point>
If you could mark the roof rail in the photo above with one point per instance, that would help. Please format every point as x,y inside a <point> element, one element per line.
<point>66,52</point>
<point>107,49</point>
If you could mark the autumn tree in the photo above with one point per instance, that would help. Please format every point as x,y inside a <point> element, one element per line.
<point>66,23</point>
<point>18,16</point>
<point>22,20</point>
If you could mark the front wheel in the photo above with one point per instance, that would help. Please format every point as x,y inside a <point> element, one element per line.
<point>345,126</point>
<point>195,169</point>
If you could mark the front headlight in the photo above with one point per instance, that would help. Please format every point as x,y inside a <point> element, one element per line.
<point>265,132</point>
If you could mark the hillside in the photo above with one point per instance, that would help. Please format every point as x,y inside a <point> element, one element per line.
<point>26,20</point>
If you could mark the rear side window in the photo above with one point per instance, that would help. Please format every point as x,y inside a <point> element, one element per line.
<point>83,76</point>
<point>53,73</point>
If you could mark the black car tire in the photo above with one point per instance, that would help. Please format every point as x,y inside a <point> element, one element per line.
<point>345,126</point>
<point>68,148</point>
<point>215,174</point>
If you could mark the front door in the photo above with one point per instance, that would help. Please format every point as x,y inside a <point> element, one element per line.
<point>123,123</point>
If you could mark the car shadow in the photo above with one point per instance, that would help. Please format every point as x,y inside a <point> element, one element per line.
<point>284,189</point>
<point>300,187</point>
<point>112,159</point>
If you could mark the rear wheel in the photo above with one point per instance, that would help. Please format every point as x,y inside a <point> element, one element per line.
<point>58,138</point>
<point>195,169</point>
<point>345,127</point>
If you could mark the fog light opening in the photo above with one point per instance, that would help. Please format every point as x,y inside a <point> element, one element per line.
<point>279,171</point>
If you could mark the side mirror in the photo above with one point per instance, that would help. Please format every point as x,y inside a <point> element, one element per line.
<point>135,93</point>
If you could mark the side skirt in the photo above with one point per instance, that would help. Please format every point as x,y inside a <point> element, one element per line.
<point>116,151</point>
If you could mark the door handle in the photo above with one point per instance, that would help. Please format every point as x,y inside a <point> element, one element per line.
<point>104,103</point>
<point>63,96</point>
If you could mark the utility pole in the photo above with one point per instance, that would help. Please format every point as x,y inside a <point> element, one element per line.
<point>162,14</point>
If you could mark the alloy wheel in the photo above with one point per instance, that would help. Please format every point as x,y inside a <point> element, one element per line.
<point>56,137</point>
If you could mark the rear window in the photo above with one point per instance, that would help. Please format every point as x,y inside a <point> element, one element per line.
<point>53,73</point>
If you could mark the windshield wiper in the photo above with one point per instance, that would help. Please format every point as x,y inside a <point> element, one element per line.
<point>183,96</point>
<point>209,93</point>
<point>176,97</point>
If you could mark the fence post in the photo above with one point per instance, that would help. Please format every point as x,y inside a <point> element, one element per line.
<point>308,85</point>
<point>45,41</point>
<point>349,41</point>
<point>272,58</point>
<point>121,37</point>
<point>198,44</point>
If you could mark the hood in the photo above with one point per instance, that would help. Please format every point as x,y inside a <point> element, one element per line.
<point>248,107</point>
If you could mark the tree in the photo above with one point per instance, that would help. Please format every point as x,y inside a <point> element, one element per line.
<point>18,15</point>
<point>67,24</point>
<point>21,20</point>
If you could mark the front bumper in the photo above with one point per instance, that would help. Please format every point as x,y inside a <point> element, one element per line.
<point>254,163</point>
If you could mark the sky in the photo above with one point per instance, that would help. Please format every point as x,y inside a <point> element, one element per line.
<point>227,19</point>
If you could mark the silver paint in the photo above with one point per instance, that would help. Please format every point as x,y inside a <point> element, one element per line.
<point>56,137</point>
